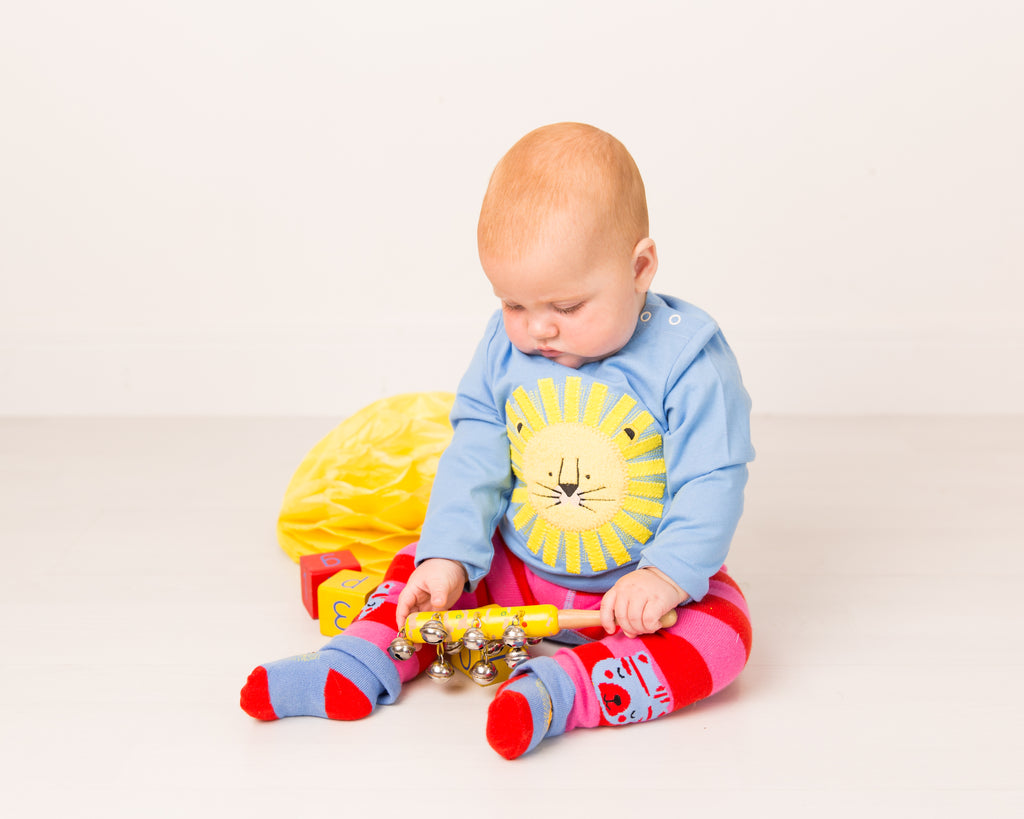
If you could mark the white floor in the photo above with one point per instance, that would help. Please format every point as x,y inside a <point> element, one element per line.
<point>141,582</point>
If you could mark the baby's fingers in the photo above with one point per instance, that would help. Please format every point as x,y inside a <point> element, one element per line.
<point>651,619</point>
<point>630,617</point>
<point>439,600</point>
<point>608,612</point>
<point>409,602</point>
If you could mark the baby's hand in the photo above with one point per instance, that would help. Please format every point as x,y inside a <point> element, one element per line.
<point>638,601</point>
<point>435,585</point>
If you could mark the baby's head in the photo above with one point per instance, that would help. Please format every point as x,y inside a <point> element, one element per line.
<point>563,240</point>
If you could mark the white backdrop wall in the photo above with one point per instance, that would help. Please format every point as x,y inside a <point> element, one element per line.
<point>269,208</point>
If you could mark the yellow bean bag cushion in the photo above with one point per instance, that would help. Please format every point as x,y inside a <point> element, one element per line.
<point>365,486</point>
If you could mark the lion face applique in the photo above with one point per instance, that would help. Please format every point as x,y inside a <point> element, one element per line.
<point>589,474</point>
<point>630,690</point>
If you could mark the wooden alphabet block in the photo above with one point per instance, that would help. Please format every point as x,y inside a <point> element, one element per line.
<point>341,597</point>
<point>316,568</point>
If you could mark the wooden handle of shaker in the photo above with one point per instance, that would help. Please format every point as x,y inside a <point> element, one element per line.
<point>586,618</point>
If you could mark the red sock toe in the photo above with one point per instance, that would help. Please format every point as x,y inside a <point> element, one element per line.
<point>343,699</point>
<point>509,724</point>
<point>255,699</point>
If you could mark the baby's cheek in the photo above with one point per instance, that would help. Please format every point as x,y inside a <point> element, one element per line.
<point>513,331</point>
<point>521,341</point>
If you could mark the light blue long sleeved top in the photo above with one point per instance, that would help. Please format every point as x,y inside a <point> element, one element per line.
<point>635,460</point>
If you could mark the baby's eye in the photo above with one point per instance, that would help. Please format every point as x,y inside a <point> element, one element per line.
<point>565,311</point>
<point>510,307</point>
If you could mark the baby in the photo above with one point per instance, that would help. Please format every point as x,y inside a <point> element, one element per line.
<point>601,436</point>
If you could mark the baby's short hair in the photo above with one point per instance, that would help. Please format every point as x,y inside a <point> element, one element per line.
<point>568,170</point>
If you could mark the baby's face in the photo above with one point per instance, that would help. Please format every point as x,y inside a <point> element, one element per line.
<point>571,301</point>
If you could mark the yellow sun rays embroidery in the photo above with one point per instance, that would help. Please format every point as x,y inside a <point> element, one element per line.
<point>590,474</point>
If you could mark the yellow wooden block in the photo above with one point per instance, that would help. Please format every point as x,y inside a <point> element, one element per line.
<point>341,597</point>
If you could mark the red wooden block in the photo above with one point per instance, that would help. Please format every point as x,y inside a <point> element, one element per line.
<point>316,568</point>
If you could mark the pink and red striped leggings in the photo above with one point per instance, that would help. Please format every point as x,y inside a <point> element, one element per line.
<point>618,680</point>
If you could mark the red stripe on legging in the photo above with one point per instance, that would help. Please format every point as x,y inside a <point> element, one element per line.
<point>385,614</point>
<point>401,567</point>
<point>483,594</point>
<point>685,670</point>
<point>591,654</point>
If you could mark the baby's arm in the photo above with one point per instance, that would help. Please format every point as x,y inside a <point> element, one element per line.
<point>639,600</point>
<point>471,490</point>
<point>706,450</point>
<point>435,585</point>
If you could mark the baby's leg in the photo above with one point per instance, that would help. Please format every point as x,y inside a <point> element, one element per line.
<point>350,675</point>
<point>617,680</point>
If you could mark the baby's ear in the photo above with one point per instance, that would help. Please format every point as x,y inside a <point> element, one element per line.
<point>645,263</point>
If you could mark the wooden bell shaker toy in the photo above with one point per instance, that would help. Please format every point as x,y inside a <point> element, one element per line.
<point>490,631</point>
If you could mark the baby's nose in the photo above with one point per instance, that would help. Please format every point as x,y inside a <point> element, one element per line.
<point>543,328</point>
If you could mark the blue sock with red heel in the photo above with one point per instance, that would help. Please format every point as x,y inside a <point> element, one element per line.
<point>532,705</point>
<point>345,680</point>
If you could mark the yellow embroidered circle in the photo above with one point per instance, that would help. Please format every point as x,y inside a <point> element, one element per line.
<point>590,474</point>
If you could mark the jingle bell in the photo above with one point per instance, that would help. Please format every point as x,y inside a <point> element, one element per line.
<point>401,648</point>
<point>440,670</point>
<point>516,656</point>
<point>474,639</point>
<point>483,672</point>
<point>514,636</point>
<point>433,632</point>
<point>492,648</point>
<point>454,647</point>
